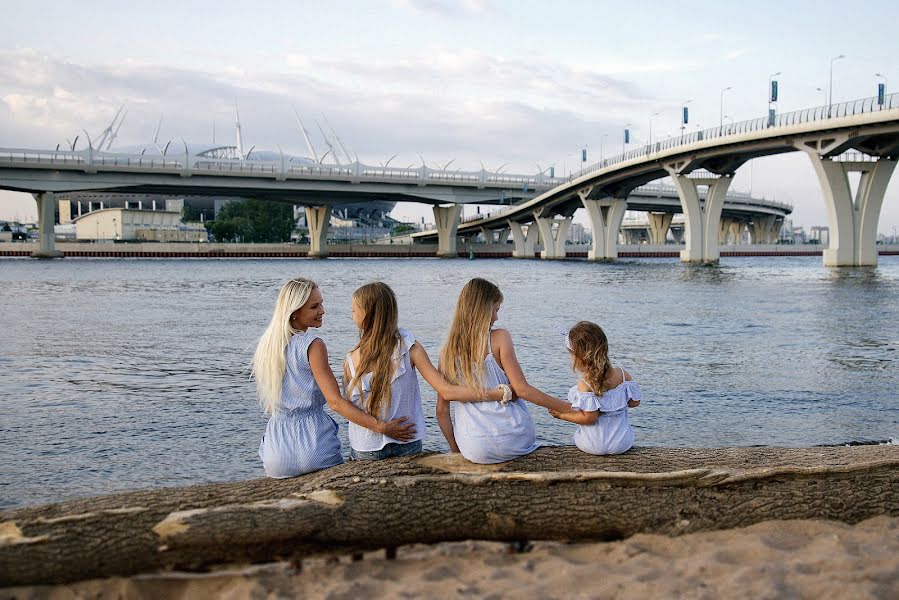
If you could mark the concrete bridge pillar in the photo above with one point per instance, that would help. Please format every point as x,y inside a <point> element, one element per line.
<point>736,231</point>
<point>553,232</point>
<point>317,220</point>
<point>701,220</point>
<point>678,234</point>
<point>46,219</point>
<point>525,240</point>
<point>853,223</point>
<point>605,220</point>
<point>658,227</point>
<point>447,220</point>
<point>762,228</point>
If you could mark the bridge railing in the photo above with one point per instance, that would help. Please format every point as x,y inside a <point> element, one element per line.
<point>796,117</point>
<point>186,164</point>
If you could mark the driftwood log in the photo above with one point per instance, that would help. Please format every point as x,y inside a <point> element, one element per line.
<point>554,494</point>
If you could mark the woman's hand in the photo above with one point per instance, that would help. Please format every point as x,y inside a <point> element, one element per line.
<point>397,429</point>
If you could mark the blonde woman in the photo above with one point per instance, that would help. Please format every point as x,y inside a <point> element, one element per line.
<point>380,376</point>
<point>294,381</point>
<point>480,357</point>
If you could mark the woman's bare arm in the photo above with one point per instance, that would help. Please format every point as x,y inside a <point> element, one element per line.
<point>397,429</point>
<point>502,344</point>
<point>445,421</point>
<point>449,392</point>
<point>579,417</point>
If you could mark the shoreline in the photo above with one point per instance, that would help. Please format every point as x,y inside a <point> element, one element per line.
<point>216,250</point>
<point>798,558</point>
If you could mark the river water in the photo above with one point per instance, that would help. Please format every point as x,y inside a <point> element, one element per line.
<point>131,373</point>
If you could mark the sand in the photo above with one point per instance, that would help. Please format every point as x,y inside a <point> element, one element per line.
<point>774,559</point>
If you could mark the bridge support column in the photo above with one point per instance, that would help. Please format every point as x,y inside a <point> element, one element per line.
<point>605,220</point>
<point>658,227</point>
<point>495,236</point>
<point>553,245</point>
<point>317,220</point>
<point>46,219</point>
<point>524,240</point>
<point>447,220</point>
<point>853,224</point>
<point>701,220</point>
<point>678,235</point>
<point>736,231</point>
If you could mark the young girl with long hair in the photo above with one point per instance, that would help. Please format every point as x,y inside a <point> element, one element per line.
<point>600,400</point>
<point>294,381</point>
<point>380,375</point>
<point>479,357</point>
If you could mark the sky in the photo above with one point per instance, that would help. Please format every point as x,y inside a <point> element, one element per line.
<point>521,85</point>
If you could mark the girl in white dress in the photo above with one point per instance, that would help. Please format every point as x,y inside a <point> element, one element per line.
<point>599,401</point>
<point>479,357</point>
<point>294,381</point>
<point>380,376</point>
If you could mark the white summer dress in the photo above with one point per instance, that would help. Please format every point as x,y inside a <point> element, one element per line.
<point>405,399</point>
<point>300,436</point>
<point>488,432</point>
<point>611,433</point>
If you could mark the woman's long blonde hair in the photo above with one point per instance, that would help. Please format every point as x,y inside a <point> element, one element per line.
<point>589,349</point>
<point>462,356</point>
<point>378,338</point>
<point>269,361</point>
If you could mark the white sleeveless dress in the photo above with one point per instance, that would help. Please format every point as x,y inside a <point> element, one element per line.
<point>488,432</point>
<point>405,399</point>
<point>612,432</point>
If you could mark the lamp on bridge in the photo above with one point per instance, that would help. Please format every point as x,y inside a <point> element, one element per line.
<point>721,114</point>
<point>830,84</point>
<point>685,116</point>
<point>772,98</point>
<point>650,127</point>
<point>881,89</point>
<point>823,93</point>
<point>626,139</point>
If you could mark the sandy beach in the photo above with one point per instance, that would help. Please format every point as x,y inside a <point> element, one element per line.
<point>773,559</point>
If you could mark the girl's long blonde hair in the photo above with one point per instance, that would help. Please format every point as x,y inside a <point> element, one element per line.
<point>589,349</point>
<point>378,338</point>
<point>462,356</point>
<point>269,361</point>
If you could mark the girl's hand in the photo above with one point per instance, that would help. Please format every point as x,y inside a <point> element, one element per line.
<point>553,413</point>
<point>633,403</point>
<point>398,429</point>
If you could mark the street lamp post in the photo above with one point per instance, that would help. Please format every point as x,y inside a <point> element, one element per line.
<point>772,98</point>
<point>830,84</point>
<point>683,116</point>
<point>650,127</point>
<point>881,97</point>
<point>721,113</point>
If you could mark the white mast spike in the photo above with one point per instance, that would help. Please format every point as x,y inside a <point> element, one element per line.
<point>115,133</point>
<point>108,129</point>
<point>339,142</point>
<point>158,127</point>
<point>306,136</point>
<point>239,140</point>
<point>330,145</point>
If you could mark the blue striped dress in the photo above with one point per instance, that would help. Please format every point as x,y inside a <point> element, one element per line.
<point>488,432</point>
<point>300,436</point>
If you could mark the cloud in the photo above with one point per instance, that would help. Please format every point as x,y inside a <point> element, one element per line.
<point>442,104</point>
<point>444,8</point>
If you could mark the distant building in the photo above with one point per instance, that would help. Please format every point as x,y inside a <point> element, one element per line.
<point>110,224</point>
<point>820,234</point>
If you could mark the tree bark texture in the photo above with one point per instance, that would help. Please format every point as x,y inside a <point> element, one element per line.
<point>555,493</point>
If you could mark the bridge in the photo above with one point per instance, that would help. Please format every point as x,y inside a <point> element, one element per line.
<point>660,201</point>
<point>860,136</point>
<point>316,186</point>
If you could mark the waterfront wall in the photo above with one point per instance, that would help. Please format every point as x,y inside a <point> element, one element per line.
<point>208,250</point>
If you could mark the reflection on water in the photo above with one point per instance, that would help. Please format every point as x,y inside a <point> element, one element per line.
<point>123,374</point>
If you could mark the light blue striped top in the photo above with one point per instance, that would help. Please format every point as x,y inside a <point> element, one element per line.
<point>405,399</point>
<point>300,436</point>
<point>488,432</point>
